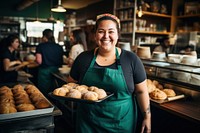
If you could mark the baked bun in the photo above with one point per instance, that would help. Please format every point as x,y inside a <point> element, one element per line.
<point>90,95</point>
<point>42,103</point>
<point>74,94</point>
<point>6,109</point>
<point>81,87</point>
<point>60,91</point>
<point>92,88</point>
<point>158,95</point>
<point>101,93</point>
<point>25,107</point>
<point>73,85</point>
<point>169,92</point>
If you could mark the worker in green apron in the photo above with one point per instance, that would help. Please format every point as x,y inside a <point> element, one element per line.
<point>117,71</point>
<point>50,57</point>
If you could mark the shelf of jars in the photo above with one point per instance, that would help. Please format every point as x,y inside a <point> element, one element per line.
<point>152,32</point>
<point>189,16</point>
<point>156,14</point>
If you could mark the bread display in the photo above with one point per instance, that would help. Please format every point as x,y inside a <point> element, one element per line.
<point>158,95</point>
<point>169,92</point>
<point>21,98</point>
<point>77,91</point>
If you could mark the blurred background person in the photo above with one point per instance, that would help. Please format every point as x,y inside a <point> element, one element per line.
<point>189,50</point>
<point>164,45</point>
<point>78,45</point>
<point>9,62</point>
<point>49,56</point>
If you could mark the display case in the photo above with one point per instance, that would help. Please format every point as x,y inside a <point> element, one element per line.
<point>187,76</point>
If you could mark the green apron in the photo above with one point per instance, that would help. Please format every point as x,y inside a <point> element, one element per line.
<point>118,114</point>
<point>45,79</point>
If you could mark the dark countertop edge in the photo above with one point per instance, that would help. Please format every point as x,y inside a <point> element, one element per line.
<point>181,113</point>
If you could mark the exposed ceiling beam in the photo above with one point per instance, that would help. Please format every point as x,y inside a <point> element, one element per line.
<point>25,3</point>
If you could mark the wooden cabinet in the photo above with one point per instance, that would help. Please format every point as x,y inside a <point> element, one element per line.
<point>7,28</point>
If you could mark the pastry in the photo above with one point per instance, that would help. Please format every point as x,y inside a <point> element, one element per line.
<point>151,87</point>
<point>158,95</point>
<point>81,87</point>
<point>25,107</point>
<point>90,95</point>
<point>169,92</point>
<point>74,94</point>
<point>101,93</point>
<point>92,88</point>
<point>7,109</point>
<point>42,103</point>
<point>73,85</point>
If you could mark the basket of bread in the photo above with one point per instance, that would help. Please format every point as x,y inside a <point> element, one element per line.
<point>159,94</point>
<point>80,93</point>
<point>21,101</point>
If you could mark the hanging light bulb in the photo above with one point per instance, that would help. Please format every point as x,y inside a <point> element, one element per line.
<point>140,13</point>
<point>58,8</point>
<point>37,19</point>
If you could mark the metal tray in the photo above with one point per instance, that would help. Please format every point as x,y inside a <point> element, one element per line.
<point>169,99</point>
<point>79,100</point>
<point>26,113</point>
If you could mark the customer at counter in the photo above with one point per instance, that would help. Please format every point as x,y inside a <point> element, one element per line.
<point>79,44</point>
<point>49,56</point>
<point>115,70</point>
<point>10,64</point>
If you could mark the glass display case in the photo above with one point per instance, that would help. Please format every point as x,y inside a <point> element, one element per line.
<point>187,76</point>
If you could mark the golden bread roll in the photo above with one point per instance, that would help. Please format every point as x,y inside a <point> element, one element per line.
<point>67,86</point>
<point>81,87</point>
<point>158,95</point>
<point>159,86</point>
<point>7,104</point>
<point>60,91</point>
<point>25,107</point>
<point>73,85</point>
<point>17,88</point>
<point>155,82</point>
<point>42,103</point>
<point>7,109</point>
<point>36,97</point>
<point>101,93</point>
<point>90,95</point>
<point>74,94</point>
<point>169,92</point>
<point>151,87</point>
<point>7,99</point>
<point>5,91</point>
<point>92,88</point>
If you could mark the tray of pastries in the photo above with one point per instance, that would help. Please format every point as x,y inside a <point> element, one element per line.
<point>22,100</point>
<point>80,93</point>
<point>160,94</point>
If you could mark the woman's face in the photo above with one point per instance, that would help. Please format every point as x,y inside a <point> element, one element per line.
<point>107,35</point>
<point>71,37</point>
<point>15,44</point>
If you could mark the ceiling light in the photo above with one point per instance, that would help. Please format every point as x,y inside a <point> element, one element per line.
<point>58,8</point>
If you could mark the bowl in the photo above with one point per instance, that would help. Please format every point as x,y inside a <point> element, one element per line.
<point>160,56</point>
<point>64,70</point>
<point>189,59</point>
<point>174,58</point>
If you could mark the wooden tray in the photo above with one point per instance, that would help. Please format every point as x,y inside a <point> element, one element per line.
<point>169,99</point>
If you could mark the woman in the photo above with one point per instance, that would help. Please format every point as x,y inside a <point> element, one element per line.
<point>78,40</point>
<point>9,62</point>
<point>164,45</point>
<point>49,55</point>
<point>115,70</point>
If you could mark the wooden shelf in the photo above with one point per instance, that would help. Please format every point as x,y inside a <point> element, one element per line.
<point>124,8</point>
<point>153,32</point>
<point>156,14</point>
<point>189,16</point>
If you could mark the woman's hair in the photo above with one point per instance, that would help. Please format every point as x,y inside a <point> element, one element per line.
<point>80,37</point>
<point>11,38</point>
<point>48,33</point>
<point>108,17</point>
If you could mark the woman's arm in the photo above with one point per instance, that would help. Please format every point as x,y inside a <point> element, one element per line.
<point>39,58</point>
<point>10,65</point>
<point>142,95</point>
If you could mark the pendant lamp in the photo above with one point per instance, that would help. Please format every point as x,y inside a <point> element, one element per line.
<point>58,8</point>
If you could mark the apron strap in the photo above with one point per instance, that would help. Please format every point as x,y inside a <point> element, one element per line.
<point>116,54</point>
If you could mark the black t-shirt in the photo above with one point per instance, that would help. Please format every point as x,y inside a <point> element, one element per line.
<point>52,54</point>
<point>132,67</point>
<point>7,76</point>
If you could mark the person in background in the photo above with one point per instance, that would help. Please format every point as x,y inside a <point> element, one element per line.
<point>10,64</point>
<point>49,56</point>
<point>79,44</point>
<point>117,71</point>
<point>189,50</point>
<point>164,45</point>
